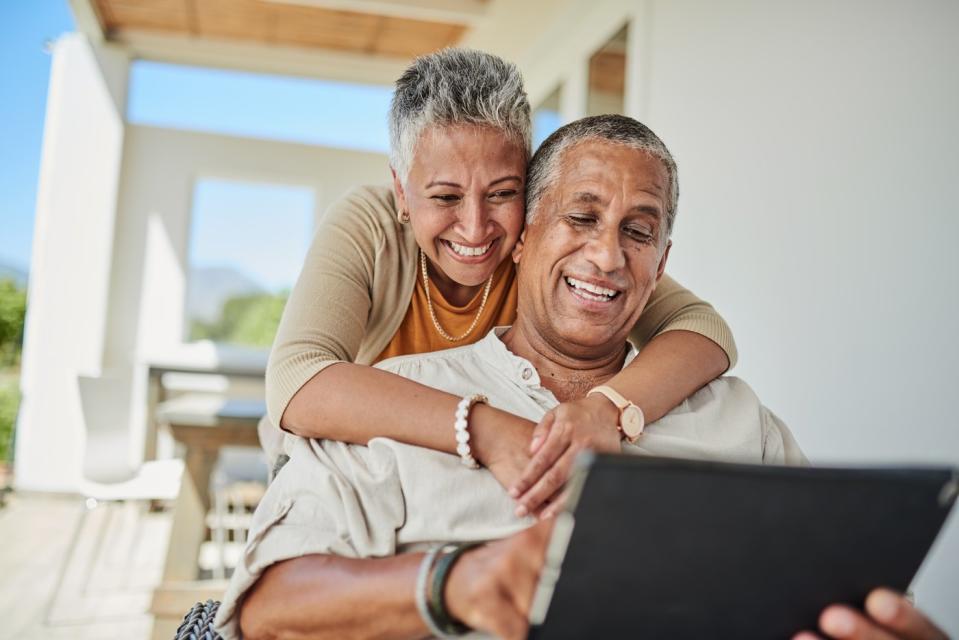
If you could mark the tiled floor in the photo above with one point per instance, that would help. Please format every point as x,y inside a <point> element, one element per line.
<point>106,589</point>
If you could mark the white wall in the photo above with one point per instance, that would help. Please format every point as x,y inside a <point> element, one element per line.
<point>69,271</point>
<point>817,146</point>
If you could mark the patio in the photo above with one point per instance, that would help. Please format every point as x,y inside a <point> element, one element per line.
<point>105,594</point>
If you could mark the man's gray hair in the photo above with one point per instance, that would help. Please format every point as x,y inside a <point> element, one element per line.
<point>456,86</point>
<point>616,129</point>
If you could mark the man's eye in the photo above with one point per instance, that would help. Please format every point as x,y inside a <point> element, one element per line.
<point>638,233</point>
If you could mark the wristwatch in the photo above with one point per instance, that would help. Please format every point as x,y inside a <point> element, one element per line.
<point>631,418</point>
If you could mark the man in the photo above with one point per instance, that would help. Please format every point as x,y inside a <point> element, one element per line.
<point>335,548</point>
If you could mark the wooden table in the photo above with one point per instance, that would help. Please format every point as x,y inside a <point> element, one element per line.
<point>204,424</point>
<point>250,366</point>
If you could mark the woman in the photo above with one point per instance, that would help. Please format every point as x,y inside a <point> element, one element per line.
<point>427,266</point>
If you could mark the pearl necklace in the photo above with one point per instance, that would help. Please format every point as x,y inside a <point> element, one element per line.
<point>429,303</point>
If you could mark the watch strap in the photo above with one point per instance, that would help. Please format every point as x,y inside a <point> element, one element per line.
<point>613,395</point>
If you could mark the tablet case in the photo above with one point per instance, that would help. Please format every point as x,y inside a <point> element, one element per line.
<point>681,549</point>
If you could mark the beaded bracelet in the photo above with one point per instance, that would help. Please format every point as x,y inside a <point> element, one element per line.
<point>461,429</point>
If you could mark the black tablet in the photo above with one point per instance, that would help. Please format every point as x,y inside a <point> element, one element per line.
<point>658,548</point>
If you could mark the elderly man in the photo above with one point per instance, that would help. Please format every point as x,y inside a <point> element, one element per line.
<point>337,545</point>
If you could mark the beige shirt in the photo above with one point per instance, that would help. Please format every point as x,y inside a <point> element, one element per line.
<point>357,282</point>
<point>388,497</point>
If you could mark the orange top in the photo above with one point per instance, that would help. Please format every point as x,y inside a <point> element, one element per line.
<point>417,333</point>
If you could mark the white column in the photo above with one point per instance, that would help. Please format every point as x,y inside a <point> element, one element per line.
<point>637,59</point>
<point>72,253</point>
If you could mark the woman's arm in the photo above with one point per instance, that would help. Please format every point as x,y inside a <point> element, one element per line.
<point>356,403</point>
<point>313,387</point>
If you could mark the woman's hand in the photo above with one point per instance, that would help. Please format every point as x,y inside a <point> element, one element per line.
<point>587,423</point>
<point>500,442</point>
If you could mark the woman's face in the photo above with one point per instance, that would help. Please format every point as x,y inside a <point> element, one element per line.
<point>465,198</point>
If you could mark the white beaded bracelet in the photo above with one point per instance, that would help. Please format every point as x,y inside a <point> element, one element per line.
<point>461,429</point>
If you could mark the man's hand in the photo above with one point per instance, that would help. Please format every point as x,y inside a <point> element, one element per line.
<point>586,423</point>
<point>491,587</point>
<point>888,616</point>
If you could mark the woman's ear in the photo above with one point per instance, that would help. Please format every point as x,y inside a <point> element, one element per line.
<point>518,248</point>
<point>401,206</point>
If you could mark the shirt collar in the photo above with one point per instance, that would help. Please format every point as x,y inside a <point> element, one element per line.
<point>493,350</point>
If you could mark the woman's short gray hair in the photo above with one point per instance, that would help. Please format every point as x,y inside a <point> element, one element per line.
<point>456,86</point>
<point>544,167</point>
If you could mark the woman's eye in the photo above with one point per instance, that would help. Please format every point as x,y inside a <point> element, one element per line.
<point>503,194</point>
<point>580,219</point>
<point>446,198</point>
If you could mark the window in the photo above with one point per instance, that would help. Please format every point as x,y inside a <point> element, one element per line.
<point>546,118</point>
<point>247,245</point>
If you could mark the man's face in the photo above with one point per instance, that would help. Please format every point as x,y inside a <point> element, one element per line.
<point>591,256</point>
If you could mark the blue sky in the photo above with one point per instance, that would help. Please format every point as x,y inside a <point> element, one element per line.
<point>24,71</point>
<point>221,207</point>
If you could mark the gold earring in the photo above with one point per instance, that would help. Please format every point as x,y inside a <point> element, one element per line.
<point>404,217</point>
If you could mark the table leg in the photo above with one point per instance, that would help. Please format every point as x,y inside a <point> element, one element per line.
<point>189,516</point>
<point>154,391</point>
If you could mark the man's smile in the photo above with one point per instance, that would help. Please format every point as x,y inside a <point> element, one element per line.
<point>591,290</point>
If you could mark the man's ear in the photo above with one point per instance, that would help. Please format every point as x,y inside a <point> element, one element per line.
<point>398,191</point>
<point>518,248</point>
<point>662,261</point>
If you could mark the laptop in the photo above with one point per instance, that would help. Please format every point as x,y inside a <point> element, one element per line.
<point>658,548</point>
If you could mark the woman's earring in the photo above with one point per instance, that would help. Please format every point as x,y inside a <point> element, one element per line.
<point>404,217</point>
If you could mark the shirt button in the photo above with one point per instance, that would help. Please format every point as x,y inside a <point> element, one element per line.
<point>527,373</point>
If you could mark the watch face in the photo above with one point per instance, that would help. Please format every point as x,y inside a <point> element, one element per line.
<point>632,422</point>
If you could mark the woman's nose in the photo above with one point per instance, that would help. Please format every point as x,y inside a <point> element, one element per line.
<point>474,220</point>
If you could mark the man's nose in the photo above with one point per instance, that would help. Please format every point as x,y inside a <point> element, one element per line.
<point>474,219</point>
<point>605,251</point>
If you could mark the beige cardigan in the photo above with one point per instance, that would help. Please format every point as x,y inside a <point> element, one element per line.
<point>357,283</point>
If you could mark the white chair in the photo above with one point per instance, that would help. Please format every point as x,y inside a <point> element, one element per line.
<point>111,474</point>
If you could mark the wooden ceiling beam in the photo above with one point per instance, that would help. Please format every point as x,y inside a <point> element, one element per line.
<point>263,58</point>
<point>466,12</point>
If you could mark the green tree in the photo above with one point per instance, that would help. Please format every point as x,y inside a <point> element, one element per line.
<point>248,320</point>
<point>13,308</point>
<point>9,403</point>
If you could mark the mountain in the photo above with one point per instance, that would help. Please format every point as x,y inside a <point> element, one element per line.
<point>209,287</point>
<point>10,272</point>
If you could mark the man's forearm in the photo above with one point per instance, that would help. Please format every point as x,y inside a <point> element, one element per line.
<point>321,596</point>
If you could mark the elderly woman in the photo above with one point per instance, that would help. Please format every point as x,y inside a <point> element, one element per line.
<point>426,266</point>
